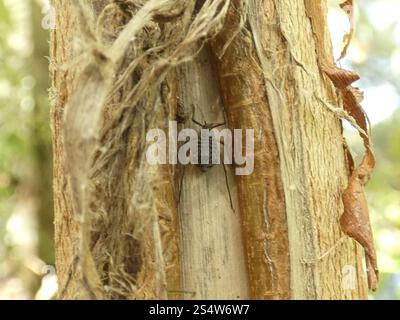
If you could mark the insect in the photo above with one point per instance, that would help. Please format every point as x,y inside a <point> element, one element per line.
<point>208,152</point>
<point>207,149</point>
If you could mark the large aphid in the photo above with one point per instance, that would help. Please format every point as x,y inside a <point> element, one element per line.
<point>207,147</point>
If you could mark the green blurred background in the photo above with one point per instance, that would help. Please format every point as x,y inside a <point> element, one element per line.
<point>26,230</point>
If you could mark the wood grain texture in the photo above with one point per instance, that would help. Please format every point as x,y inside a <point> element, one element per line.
<point>261,197</point>
<point>310,146</point>
<point>213,263</point>
<point>66,227</point>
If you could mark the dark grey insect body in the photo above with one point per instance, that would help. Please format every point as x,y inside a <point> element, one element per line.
<point>207,155</point>
<point>207,152</point>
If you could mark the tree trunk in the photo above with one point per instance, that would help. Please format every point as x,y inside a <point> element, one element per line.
<point>40,138</point>
<point>127,229</point>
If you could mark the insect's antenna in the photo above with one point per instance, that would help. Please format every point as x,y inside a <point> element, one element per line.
<point>198,123</point>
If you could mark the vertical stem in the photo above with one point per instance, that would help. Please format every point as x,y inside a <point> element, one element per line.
<point>261,198</point>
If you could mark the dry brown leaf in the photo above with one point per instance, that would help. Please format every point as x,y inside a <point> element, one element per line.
<point>341,78</point>
<point>355,219</point>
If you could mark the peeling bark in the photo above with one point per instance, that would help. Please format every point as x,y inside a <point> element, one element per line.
<point>129,230</point>
<point>261,198</point>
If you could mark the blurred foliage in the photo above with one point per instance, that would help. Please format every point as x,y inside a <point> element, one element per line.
<point>15,155</point>
<point>24,145</point>
<point>384,198</point>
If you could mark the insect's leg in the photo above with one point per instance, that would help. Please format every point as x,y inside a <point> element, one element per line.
<point>227,187</point>
<point>198,123</point>
<point>213,126</point>
<point>181,185</point>
<point>192,293</point>
<point>71,273</point>
<point>226,178</point>
<point>202,115</point>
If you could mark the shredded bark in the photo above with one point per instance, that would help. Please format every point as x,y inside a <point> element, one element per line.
<point>131,48</point>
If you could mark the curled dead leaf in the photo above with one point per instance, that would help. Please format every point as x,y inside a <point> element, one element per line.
<point>352,98</point>
<point>341,78</point>
<point>358,94</point>
<point>355,221</point>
